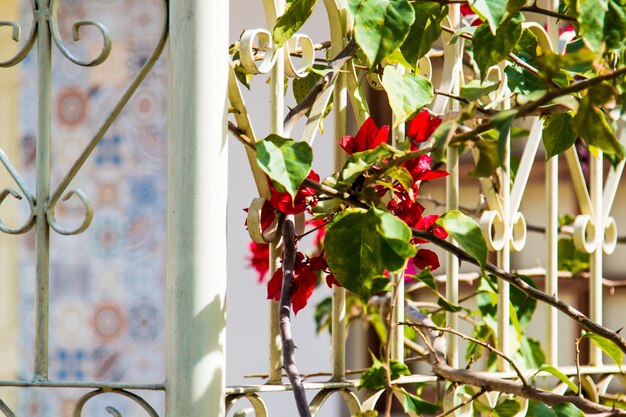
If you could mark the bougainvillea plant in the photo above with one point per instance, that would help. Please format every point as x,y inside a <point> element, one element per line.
<point>369,223</point>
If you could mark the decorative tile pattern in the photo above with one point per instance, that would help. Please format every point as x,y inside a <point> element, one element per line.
<point>107,294</point>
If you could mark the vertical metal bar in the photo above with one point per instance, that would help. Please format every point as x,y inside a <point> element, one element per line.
<point>42,228</point>
<point>340,109</point>
<point>196,215</point>
<point>452,203</point>
<point>595,292</point>
<point>397,332</point>
<point>552,231</point>
<point>504,259</point>
<point>275,344</point>
<point>277,110</point>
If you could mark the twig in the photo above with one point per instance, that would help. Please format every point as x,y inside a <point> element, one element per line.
<point>464,403</point>
<point>481,109</point>
<point>484,380</point>
<point>289,357</point>
<point>546,12</point>
<point>531,292</point>
<point>487,346</point>
<point>578,375</point>
<point>307,102</point>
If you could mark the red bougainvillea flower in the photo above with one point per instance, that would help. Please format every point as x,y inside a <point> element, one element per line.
<point>259,259</point>
<point>406,209</point>
<point>303,284</point>
<point>426,258</point>
<point>331,280</point>
<point>428,223</point>
<point>305,196</point>
<point>420,169</point>
<point>368,137</point>
<point>422,127</point>
<point>467,11</point>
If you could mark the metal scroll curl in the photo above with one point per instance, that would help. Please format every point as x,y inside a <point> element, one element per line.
<point>30,222</point>
<point>78,409</point>
<point>258,405</point>
<point>88,216</point>
<point>76,28</point>
<point>78,164</point>
<point>16,36</point>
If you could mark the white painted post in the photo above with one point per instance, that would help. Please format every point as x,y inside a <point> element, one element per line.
<point>197,193</point>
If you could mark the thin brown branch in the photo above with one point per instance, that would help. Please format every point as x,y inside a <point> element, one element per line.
<point>307,102</point>
<point>487,346</point>
<point>530,291</point>
<point>546,12</point>
<point>289,357</point>
<point>486,381</point>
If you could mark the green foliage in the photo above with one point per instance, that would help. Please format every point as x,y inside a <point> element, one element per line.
<point>360,245</point>
<point>292,20</point>
<point>560,375</point>
<point>381,26</point>
<point>491,48</point>
<point>286,161</point>
<point>425,30</point>
<point>467,233</point>
<point>607,347</point>
<point>414,404</point>
<point>558,135</point>
<point>375,378</point>
<point>407,93</point>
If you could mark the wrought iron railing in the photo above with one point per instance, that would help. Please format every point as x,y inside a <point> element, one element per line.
<point>42,202</point>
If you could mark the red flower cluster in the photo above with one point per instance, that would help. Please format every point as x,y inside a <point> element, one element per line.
<point>368,137</point>
<point>304,277</point>
<point>259,259</point>
<point>467,11</point>
<point>422,127</point>
<point>281,200</point>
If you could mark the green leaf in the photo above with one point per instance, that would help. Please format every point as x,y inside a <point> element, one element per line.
<point>414,404</point>
<point>360,162</point>
<point>550,64</point>
<point>560,375</point>
<point>360,245</point>
<point>487,158</point>
<point>375,378</point>
<point>475,89</point>
<point>285,161</point>
<point>302,86</point>
<point>607,347</point>
<point>407,93</point>
<point>502,122</point>
<point>558,135</point>
<point>442,136</point>
<point>467,233</point>
<point>567,410</point>
<point>427,277</point>
<point>425,30</point>
<point>465,29</point>
<point>381,26</point>
<point>507,408</point>
<point>532,352</point>
<point>402,175</point>
<point>591,15</point>
<point>570,258</point>
<point>490,11</point>
<point>590,123</point>
<point>490,49</point>
<point>523,81</point>
<point>292,20</point>
<point>539,409</point>
<point>615,24</point>
<point>322,314</point>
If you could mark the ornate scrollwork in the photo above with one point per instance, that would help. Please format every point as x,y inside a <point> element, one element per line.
<point>78,409</point>
<point>16,36</point>
<point>350,399</point>
<point>88,217</point>
<point>30,222</point>
<point>258,405</point>
<point>78,164</point>
<point>76,27</point>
